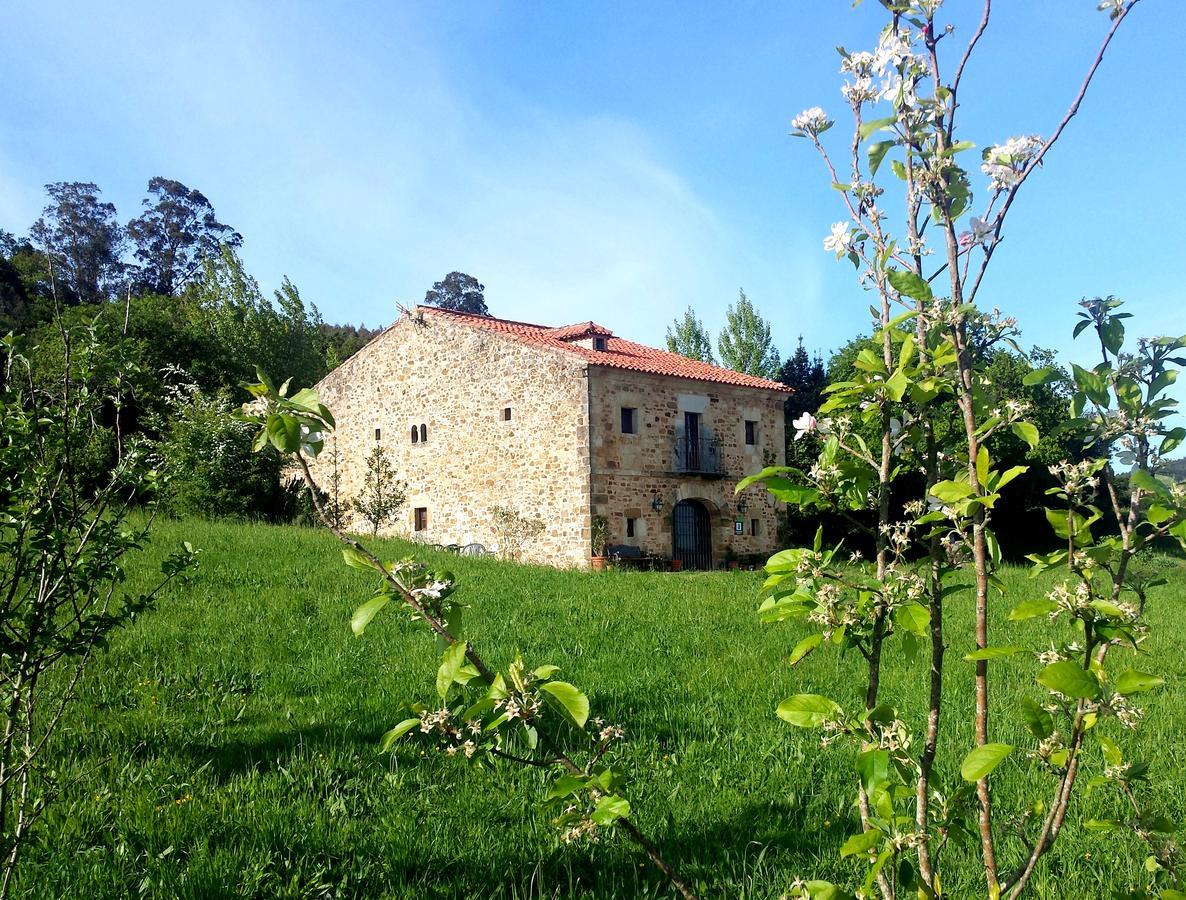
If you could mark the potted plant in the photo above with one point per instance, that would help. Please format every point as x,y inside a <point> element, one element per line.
<point>676,564</point>
<point>599,530</point>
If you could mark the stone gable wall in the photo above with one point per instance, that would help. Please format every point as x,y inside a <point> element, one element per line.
<point>456,380</point>
<point>628,470</point>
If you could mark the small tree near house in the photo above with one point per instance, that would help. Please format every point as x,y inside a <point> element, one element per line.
<point>513,530</point>
<point>382,493</point>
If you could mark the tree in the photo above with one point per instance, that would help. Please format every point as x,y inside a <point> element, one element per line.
<point>281,335</point>
<point>84,240</point>
<point>63,547</point>
<point>460,293</point>
<point>175,234</point>
<point>688,337</point>
<point>745,343</point>
<point>807,377</point>
<point>382,494</point>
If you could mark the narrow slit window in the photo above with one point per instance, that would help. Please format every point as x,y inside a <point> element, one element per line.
<point>415,435</point>
<point>630,526</point>
<point>423,433</point>
<point>506,414</point>
<point>629,420</point>
<point>422,518</point>
<point>378,433</point>
<point>753,527</point>
<point>751,432</point>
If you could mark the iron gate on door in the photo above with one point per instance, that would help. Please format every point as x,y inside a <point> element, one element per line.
<point>693,535</point>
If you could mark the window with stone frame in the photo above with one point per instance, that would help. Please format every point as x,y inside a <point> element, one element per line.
<point>630,526</point>
<point>506,414</point>
<point>751,432</point>
<point>421,518</point>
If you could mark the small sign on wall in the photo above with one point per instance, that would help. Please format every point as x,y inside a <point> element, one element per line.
<point>739,526</point>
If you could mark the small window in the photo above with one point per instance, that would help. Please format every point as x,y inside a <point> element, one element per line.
<point>598,343</point>
<point>751,432</point>
<point>378,433</point>
<point>423,433</point>
<point>629,420</point>
<point>422,518</point>
<point>630,526</point>
<point>753,527</point>
<point>506,414</point>
<point>415,435</point>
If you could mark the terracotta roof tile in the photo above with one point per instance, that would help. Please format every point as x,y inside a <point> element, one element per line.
<point>618,353</point>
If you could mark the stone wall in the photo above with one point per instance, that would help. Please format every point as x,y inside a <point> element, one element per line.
<point>628,470</point>
<point>456,381</point>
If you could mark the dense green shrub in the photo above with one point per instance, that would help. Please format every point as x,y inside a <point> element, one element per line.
<point>213,472</point>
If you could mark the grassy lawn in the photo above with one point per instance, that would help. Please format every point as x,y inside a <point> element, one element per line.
<point>226,745</point>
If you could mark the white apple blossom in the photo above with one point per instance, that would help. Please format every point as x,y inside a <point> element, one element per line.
<point>1004,163</point>
<point>981,233</point>
<point>311,441</point>
<point>812,121</point>
<point>840,240</point>
<point>804,424</point>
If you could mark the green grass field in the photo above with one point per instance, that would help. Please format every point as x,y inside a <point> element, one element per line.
<point>225,746</point>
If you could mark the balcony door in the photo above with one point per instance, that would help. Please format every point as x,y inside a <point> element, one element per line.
<point>692,441</point>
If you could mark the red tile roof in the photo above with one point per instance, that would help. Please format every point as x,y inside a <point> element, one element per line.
<point>618,353</point>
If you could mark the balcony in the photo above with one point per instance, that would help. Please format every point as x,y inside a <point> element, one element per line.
<point>698,454</point>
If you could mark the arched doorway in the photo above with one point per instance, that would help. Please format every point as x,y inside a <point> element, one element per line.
<point>692,528</point>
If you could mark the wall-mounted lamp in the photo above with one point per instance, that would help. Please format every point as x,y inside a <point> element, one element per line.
<point>742,506</point>
<point>656,503</point>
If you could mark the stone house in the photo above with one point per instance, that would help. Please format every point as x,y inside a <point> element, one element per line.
<point>562,425</point>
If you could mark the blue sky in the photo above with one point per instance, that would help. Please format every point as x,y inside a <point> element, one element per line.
<point>609,161</point>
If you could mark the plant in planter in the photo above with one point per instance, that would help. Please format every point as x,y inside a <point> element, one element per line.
<point>731,560</point>
<point>600,537</point>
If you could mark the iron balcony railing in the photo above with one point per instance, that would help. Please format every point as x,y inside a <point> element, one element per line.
<point>698,454</point>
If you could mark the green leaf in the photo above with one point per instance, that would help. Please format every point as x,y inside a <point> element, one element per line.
<point>543,673</point>
<point>363,615</point>
<point>1070,679</point>
<point>913,618</point>
<point>861,843</point>
<point>867,128</point>
<point>1044,375</point>
<point>1112,334</point>
<point>877,153</point>
<point>805,646</point>
<point>609,809</point>
<point>356,559</point>
<point>808,710</point>
<point>450,672</point>
<point>1027,431</point>
<point>981,761</point>
<point>284,432</point>
<point>1093,385</point>
<point>1029,609</point>
<point>567,785</point>
<point>1133,682</point>
<point>873,767</point>
<point>993,653</point>
<point>574,703</point>
<point>388,740</point>
<point>909,284</point>
<point>895,385</point>
<point>950,492</point>
<point>1037,720</point>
